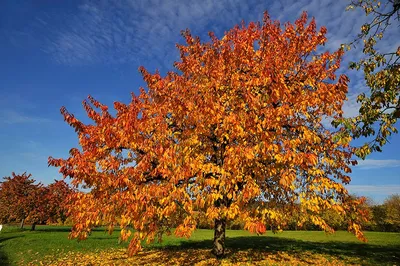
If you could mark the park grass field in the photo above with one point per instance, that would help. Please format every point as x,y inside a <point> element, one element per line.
<point>49,245</point>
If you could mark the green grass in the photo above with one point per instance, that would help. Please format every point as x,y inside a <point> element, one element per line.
<point>20,247</point>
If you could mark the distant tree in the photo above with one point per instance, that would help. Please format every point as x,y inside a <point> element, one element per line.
<point>58,194</point>
<point>367,208</point>
<point>38,206</point>
<point>380,107</point>
<point>335,220</point>
<point>235,132</point>
<point>20,198</point>
<point>23,200</point>
<point>392,209</point>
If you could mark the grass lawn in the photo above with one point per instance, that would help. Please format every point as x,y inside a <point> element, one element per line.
<point>50,245</point>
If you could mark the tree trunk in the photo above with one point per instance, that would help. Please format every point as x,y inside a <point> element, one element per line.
<point>33,227</point>
<point>219,238</point>
<point>22,223</point>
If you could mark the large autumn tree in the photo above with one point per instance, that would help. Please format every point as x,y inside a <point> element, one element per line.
<point>236,132</point>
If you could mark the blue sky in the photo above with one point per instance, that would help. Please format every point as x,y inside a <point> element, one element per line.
<point>55,53</point>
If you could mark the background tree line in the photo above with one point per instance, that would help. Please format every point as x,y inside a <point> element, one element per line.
<point>383,217</point>
<point>22,200</point>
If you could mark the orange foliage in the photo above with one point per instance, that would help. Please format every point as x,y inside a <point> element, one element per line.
<point>197,257</point>
<point>235,132</point>
<point>21,199</point>
<point>57,198</point>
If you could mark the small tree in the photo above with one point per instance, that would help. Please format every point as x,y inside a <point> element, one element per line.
<point>20,198</point>
<point>236,132</point>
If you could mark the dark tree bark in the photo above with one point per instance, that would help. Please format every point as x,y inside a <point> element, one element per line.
<point>219,238</point>
<point>33,227</point>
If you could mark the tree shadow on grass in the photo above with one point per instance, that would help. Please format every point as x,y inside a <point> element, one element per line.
<point>53,229</point>
<point>4,260</point>
<point>347,252</point>
<point>66,229</point>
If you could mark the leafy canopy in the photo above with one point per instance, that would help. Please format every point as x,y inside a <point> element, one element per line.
<point>236,132</point>
<point>20,199</point>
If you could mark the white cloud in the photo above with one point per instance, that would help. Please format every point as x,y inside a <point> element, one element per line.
<point>351,106</point>
<point>14,117</point>
<point>32,156</point>
<point>138,31</point>
<point>117,32</point>
<point>377,190</point>
<point>374,164</point>
<point>9,99</point>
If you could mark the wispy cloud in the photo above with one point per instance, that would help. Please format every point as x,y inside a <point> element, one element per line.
<point>32,156</point>
<point>118,32</point>
<point>374,164</point>
<point>378,190</point>
<point>9,99</point>
<point>351,107</point>
<point>139,31</point>
<point>14,117</point>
